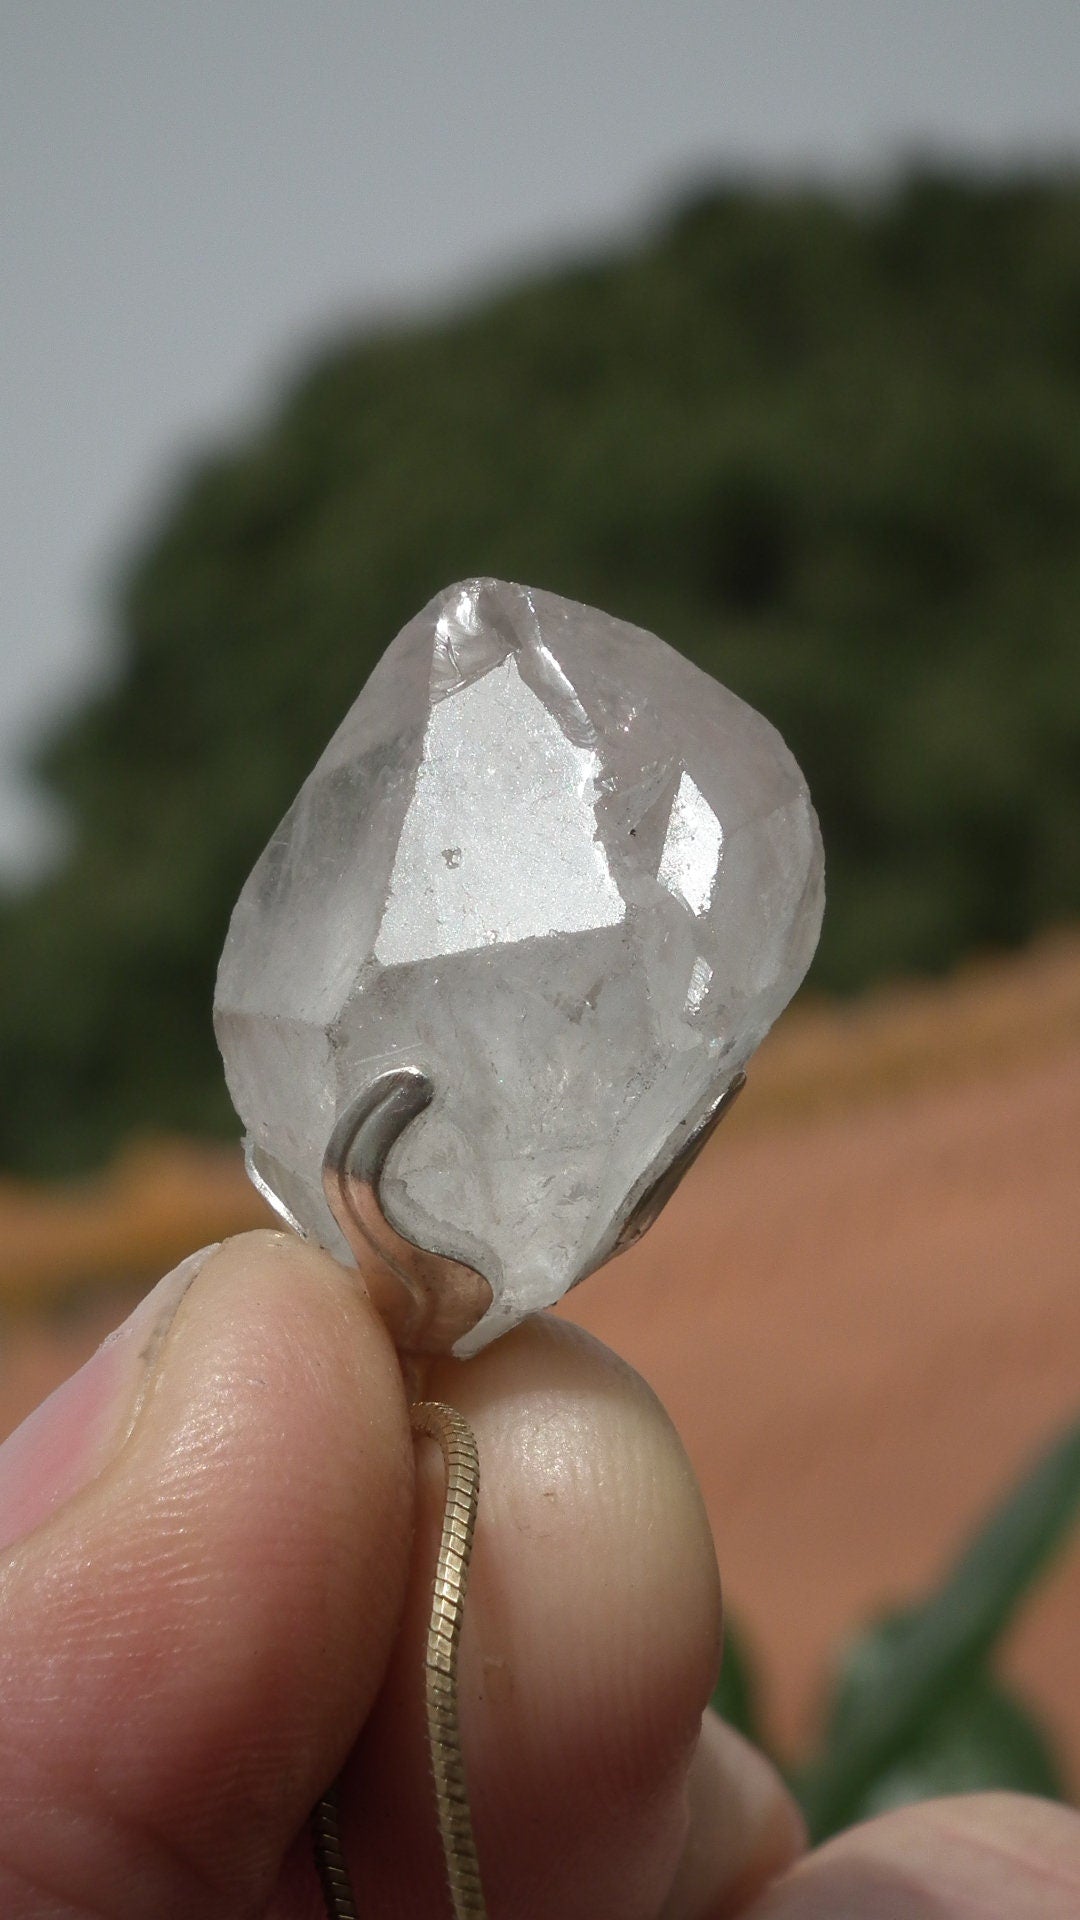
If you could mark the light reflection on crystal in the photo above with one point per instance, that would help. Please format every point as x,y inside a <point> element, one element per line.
<point>691,857</point>
<point>499,843</point>
<point>700,976</point>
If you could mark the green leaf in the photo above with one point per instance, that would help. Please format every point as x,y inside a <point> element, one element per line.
<point>983,1739</point>
<point>735,1696</point>
<point>902,1677</point>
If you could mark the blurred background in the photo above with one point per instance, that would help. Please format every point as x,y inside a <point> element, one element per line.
<point>759,325</point>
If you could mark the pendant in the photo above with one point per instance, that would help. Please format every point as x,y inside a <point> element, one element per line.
<point>500,969</point>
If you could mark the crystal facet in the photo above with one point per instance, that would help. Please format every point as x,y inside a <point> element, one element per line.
<point>561,871</point>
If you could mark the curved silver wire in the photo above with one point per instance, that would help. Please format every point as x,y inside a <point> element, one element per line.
<point>646,1202</point>
<point>428,1300</point>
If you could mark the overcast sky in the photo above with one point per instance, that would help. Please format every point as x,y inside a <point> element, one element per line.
<point>193,191</point>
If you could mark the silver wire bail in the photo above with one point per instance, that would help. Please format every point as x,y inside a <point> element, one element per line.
<point>428,1300</point>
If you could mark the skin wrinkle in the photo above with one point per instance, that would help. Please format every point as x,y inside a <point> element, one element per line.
<point>1031,1862</point>
<point>109,1835</point>
<point>10,1888</point>
<point>153,1839</point>
<point>934,1857</point>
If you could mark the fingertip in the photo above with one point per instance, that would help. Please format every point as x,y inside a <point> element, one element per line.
<point>745,1828</point>
<point>593,1513</point>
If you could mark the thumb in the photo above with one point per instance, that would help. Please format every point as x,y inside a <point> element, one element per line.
<point>207,1534</point>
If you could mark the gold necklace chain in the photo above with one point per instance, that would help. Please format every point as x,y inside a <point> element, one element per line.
<point>457,1443</point>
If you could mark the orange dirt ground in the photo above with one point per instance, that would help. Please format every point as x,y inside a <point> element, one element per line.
<point>862,1309</point>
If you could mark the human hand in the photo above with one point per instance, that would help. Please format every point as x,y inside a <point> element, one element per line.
<point>215,1595</point>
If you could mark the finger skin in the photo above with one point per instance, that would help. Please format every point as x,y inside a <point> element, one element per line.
<point>180,1666</point>
<point>589,1649</point>
<point>991,1856</point>
<point>745,1828</point>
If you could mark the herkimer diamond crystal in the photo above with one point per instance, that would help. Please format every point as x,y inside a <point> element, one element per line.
<point>563,872</point>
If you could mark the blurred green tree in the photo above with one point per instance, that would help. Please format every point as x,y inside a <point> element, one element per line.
<point>830,448</point>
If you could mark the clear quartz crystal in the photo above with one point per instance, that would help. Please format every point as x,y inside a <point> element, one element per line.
<point>559,869</point>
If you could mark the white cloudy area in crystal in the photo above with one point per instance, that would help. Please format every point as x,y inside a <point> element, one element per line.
<point>564,873</point>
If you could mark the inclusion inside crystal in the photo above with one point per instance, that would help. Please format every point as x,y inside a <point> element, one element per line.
<point>563,872</point>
